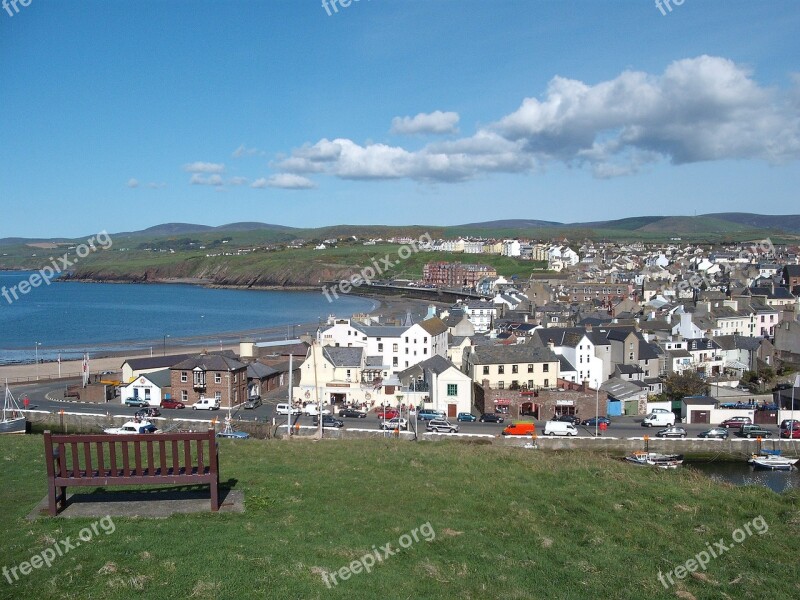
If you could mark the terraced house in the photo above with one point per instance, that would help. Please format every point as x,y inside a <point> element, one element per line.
<point>209,376</point>
<point>513,367</point>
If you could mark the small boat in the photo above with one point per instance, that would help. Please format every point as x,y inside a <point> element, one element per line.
<point>13,420</point>
<point>135,426</point>
<point>654,459</point>
<point>772,460</point>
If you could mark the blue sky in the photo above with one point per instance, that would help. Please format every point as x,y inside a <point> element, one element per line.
<point>122,115</point>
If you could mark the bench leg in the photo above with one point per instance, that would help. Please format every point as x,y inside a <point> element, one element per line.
<point>215,496</point>
<point>52,502</point>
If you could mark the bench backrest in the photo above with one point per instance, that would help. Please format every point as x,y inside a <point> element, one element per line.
<point>129,454</point>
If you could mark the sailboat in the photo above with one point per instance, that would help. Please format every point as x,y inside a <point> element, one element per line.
<point>13,421</point>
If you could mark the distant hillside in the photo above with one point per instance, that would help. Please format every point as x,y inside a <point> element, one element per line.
<point>779,222</point>
<point>511,224</point>
<point>190,228</point>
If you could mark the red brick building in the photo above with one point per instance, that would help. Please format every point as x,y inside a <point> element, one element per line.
<point>443,274</point>
<point>209,376</point>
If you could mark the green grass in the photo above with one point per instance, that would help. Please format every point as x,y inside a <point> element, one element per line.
<point>509,523</point>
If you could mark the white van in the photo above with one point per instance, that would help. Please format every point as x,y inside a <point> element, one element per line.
<point>560,428</point>
<point>286,409</point>
<point>206,404</point>
<point>659,419</point>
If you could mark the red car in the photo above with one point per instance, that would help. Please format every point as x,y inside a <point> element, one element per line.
<point>172,404</point>
<point>388,414</point>
<point>795,433</point>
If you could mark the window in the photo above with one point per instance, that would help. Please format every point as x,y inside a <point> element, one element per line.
<point>380,347</point>
<point>501,369</point>
<point>425,340</point>
<point>530,368</point>
<point>406,339</point>
<point>530,384</point>
<point>546,368</point>
<point>501,385</point>
<point>406,350</point>
<point>235,377</point>
<point>184,396</point>
<point>546,383</point>
<point>394,361</point>
<point>184,377</point>
<point>217,378</point>
<point>580,359</point>
<point>486,370</point>
<point>394,347</point>
<point>218,396</point>
<point>452,389</point>
<point>424,351</point>
<point>515,368</point>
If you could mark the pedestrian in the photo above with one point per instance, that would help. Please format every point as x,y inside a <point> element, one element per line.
<point>26,402</point>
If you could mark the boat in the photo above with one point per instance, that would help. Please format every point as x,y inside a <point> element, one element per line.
<point>654,459</point>
<point>13,420</point>
<point>772,460</point>
<point>136,427</point>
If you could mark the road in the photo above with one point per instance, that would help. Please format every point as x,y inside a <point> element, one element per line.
<point>48,396</point>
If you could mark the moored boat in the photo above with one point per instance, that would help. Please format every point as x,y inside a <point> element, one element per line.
<point>135,426</point>
<point>772,460</point>
<point>12,419</point>
<point>655,459</point>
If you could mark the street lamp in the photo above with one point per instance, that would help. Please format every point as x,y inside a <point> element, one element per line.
<point>36,357</point>
<point>596,405</point>
<point>166,335</point>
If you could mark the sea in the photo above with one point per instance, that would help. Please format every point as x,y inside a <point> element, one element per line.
<point>68,318</point>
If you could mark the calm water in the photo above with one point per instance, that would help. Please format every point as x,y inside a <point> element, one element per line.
<point>744,474</point>
<point>72,317</point>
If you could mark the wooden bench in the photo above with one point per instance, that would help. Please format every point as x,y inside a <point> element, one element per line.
<point>131,459</point>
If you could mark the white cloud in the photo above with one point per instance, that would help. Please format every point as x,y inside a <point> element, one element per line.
<point>204,167</point>
<point>699,109</point>
<point>435,122</point>
<point>237,180</point>
<point>259,183</point>
<point>132,183</point>
<point>290,181</point>
<point>157,185</point>
<point>243,150</point>
<point>215,180</point>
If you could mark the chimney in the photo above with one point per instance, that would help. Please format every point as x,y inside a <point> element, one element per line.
<point>588,328</point>
<point>550,343</point>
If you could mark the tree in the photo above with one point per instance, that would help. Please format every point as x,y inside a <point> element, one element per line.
<point>688,383</point>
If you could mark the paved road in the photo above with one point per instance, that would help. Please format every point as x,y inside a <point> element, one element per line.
<point>49,396</point>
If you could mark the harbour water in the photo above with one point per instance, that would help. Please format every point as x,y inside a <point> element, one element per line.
<point>70,318</point>
<point>741,473</point>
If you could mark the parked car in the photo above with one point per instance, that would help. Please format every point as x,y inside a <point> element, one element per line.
<point>253,402</point>
<point>427,414</point>
<point>150,411</point>
<point>286,409</point>
<point>136,402</point>
<point>785,423</point>
<point>672,432</point>
<point>751,431</point>
<point>396,423</point>
<point>387,413</point>
<point>167,403</point>
<point>714,432</point>
<point>574,419</point>
<point>329,421</point>
<point>519,429</point>
<point>440,425</point>
<point>352,413</point>
<point>491,418</point>
<point>312,410</point>
<point>794,434</point>
<point>466,417</point>
<point>596,421</point>
<point>554,427</point>
<point>659,419</point>
<point>206,404</point>
<point>736,422</point>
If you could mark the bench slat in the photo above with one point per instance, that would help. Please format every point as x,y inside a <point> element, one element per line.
<point>126,461</point>
<point>100,456</point>
<point>76,467</point>
<point>137,453</point>
<point>112,446</point>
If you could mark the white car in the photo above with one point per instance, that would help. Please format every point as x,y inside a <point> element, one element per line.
<point>311,410</point>
<point>286,409</point>
<point>396,423</point>
<point>206,404</point>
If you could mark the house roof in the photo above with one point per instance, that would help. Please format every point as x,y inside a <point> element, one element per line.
<point>155,362</point>
<point>257,370</point>
<point>700,400</point>
<point>518,353</point>
<point>343,357</point>
<point>210,362</point>
<point>160,379</point>
<point>434,326</point>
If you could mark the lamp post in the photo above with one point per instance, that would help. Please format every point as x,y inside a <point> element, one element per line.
<point>596,406</point>
<point>166,335</point>
<point>36,357</point>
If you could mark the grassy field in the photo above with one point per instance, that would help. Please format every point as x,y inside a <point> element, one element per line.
<point>503,523</point>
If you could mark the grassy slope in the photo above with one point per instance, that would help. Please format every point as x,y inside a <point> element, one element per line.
<point>509,523</point>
